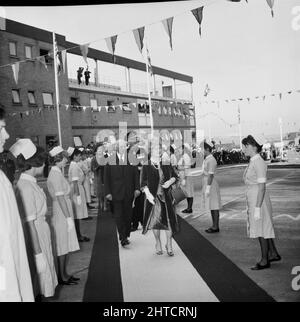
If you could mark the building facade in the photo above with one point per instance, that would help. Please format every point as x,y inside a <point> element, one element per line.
<point>84,110</point>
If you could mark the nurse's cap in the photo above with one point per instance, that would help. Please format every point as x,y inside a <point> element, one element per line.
<point>70,151</point>
<point>80,149</point>
<point>55,151</point>
<point>173,146</point>
<point>24,147</point>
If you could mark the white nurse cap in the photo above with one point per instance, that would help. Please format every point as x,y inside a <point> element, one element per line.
<point>55,151</point>
<point>70,150</point>
<point>81,149</point>
<point>24,147</point>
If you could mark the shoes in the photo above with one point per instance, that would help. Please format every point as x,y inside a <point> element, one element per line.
<point>170,253</point>
<point>83,239</point>
<point>212,230</point>
<point>125,242</point>
<point>259,267</point>
<point>88,218</point>
<point>90,207</point>
<point>72,278</point>
<point>133,229</point>
<point>275,259</point>
<point>70,281</point>
<point>187,211</point>
<point>158,251</point>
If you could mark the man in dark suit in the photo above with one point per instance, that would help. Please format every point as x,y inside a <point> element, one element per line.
<point>121,186</point>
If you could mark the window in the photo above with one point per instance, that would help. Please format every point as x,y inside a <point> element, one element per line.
<point>47,99</point>
<point>75,104</point>
<point>45,52</point>
<point>12,48</point>
<point>110,103</point>
<point>93,103</point>
<point>141,108</point>
<point>31,98</point>
<point>144,119</point>
<point>126,108</point>
<point>28,52</point>
<point>159,110</point>
<point>16,96</point>
<point>170,110</point>
<point>165,111</point>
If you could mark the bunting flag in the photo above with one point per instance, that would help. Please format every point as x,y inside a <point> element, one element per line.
<point>198,14</point>
<point>206,90</point>
<point>239,115</point>
<point>111,45</point>
<point>84,51</point>
<point>150,69</point>
<point>280,96</point>
<point>42,60</point>
<point>15,68</point>
<point>168,24</point>
<point>271,5</point>
<point>139,37</point>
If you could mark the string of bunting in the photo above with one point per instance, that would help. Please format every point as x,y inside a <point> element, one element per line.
<point>176,110</point>
<point>112,40</point>
<point>254,98</point>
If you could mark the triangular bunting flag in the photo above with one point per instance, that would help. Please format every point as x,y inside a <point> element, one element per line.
<point>139,37</point>
<point>264,97</point>
<point>198,14</point>
<point>111,45</point>
<point>248,98</point>
<point>280,95</point>
<point>84,51</point>
<point>99,108</point>
<point>168,24</point>
<point>150,69</point>
<point>15,68</point>
<point>271,5</point>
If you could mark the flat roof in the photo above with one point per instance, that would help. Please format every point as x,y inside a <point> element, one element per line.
<point>24,30</point>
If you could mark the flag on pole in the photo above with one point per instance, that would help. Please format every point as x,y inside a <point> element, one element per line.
<point>206,90</point>
<point>64,59</point>
<point>271,5</point>
<point>239,115</point>
<point>168,24</point>
<point>139,37</point>
<point>42,60</point>
<point>2,19</point>
<point>150,69</point>
<point>15,68</point>
<point>198,14</point>
<point>59,60</point>
<point>111,45</point>
<point>84,51</point>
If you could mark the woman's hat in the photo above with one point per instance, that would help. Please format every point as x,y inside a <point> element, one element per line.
<point>55,151</point>
<point>24,147</point>
<point>70,150</point>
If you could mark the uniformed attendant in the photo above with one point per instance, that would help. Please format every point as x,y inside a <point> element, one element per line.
<point>76,178</point>
<point>14,267</point>
<point>34,201</point>
<point>210,188</point>
<point>259,207</point>
<point>62,219</point>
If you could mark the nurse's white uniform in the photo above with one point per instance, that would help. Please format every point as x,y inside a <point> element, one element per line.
<point>184,167</point>
<point>65,241</point>
<point>35,206</point>
<point>213,201</point>
<point>256,173</point>
<point>15,279</point>
<point>76,174</point>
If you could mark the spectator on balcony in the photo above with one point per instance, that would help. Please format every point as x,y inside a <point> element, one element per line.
<point>79,74</point>
<point>87,76</point>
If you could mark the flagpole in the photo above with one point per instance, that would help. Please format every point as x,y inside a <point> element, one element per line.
<point>56,91</point>
<point>148,88</point>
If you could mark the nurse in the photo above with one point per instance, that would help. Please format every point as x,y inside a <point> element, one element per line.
<point>31,165</point>
<point>76,179</point>
<point>210,188</point>
<point>259,207</point>
<point>62,221</point>
<point>15,279</point>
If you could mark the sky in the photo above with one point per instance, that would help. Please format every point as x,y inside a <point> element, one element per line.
<point>243,52</point>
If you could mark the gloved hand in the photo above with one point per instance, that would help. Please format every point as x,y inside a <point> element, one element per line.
<point>149,195</point>
<point>40,262</point>
<point>78,199</point>
<point>109,197</point>
<point>70,223</point>
<point>207,191</point>
<point>257,213</point>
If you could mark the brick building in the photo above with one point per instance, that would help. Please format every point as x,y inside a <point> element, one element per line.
<point>30,102</point>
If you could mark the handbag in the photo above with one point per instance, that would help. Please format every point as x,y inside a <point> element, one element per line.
<point>178,194</point>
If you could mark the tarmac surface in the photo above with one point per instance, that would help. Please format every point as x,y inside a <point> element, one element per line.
<point>284,188</point>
